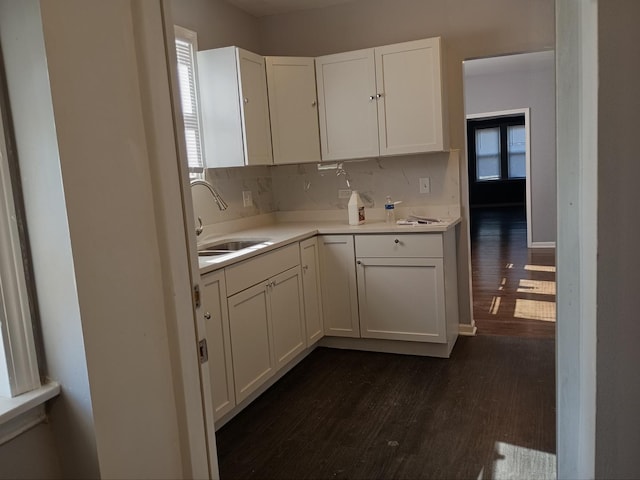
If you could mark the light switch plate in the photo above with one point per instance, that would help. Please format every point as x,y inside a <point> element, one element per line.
<point>247,198</point>
<point>425,185</point>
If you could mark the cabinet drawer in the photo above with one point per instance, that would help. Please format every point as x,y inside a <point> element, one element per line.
<point>254,270</point>
<point>399,245</point>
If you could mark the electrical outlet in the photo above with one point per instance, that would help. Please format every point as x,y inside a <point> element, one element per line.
<point>425,185</point>
<point>247,198</point>
<point>344,193</point>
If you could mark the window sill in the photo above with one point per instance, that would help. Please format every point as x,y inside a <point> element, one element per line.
<point>19,414</point>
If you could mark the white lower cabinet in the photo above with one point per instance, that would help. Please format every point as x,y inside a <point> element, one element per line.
<point>401,287</point>
<point>339,287</point>
<point>309,258</point>
<point>266,316</point>
<point>251,339</point>
<point>219,368</point>
<point>285,299</point>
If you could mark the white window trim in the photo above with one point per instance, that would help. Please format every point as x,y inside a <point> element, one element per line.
<point>191,37</point>
<point>19,365</point>
<point>21,394</point>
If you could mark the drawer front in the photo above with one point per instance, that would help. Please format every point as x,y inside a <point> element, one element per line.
<point>257,269</point>
<point>400,245</point>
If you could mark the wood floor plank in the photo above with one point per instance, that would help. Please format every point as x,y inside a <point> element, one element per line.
<point>346,414</point>
<point>513,286</point>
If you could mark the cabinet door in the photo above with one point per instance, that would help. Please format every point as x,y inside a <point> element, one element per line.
<point>347,101</point>
<point>251,337</point>
<point>402,299</point>
<point>216,324</point>
<point>255,108</point>
<point>311,289</point>
<point>410,114</point>
<point>285,292</point>
<point>293,109</point>
<point>339,288</point>
<point>220,108</point>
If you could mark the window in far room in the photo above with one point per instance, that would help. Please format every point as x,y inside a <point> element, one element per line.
<point>497,148</point>
<point>186,48</point>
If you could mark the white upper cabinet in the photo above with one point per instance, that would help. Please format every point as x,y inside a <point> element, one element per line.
<point>293,107</point>
<point>382,101</point>
<point>410,113</point>
<point>234,107</point>
<point>347,105</point>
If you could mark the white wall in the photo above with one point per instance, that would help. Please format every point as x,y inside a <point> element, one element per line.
<point>618,329</point>
<point>303,187</point>
<point>33,454</point>
<point>115,236</point>
<point>516,82</point>
<point>218,23</point>
<point>37,147</point>
<point>95,140</point>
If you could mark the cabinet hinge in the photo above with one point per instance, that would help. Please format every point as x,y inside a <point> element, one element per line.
<point>196,295</point>
<point>203,352</point>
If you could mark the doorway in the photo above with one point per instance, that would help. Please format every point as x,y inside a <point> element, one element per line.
<point>510,122</point>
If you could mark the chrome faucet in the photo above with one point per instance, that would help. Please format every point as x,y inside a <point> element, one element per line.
<point>222,205</point>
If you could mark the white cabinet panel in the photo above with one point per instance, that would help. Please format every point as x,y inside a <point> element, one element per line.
<point>402,299</point>
<point>399,245</point>
<point>382,101</point>
<point>255,108</point>
<point>339,287</point>
<point>285,295</point>
<point>348,112</point>
<point>251,339</point>
<point>219,368</point>
<point>234,108</point>
<point>408,77</point>
<point>293,109</point>
<point>309,259</point>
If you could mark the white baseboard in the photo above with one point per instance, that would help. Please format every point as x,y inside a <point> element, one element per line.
<point>543,245</point>
<point>467,330</point>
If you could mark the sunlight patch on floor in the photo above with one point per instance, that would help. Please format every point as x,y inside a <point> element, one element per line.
<point>535,310</point>
<point>540,268</point>
<point>540,287</point>
<point>513,462</point>
<point>495,306</point>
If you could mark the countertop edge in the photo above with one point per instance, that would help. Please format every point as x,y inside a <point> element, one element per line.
<point>284,233</point>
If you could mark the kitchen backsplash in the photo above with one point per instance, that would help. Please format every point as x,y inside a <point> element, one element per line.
<point>303,187</point>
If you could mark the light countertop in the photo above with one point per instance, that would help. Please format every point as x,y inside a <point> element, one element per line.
<point>279,234</point>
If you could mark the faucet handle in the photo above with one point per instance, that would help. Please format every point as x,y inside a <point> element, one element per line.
<point>199,228</point>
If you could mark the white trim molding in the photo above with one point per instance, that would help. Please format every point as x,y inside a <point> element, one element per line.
<point>467,330</point>
<point>527,125</point>
<point>543,245</point>
<point>18,363</point>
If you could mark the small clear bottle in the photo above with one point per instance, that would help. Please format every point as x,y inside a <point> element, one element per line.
<point>389,211</point>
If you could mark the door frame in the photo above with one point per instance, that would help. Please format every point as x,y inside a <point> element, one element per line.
<point>527,125</point>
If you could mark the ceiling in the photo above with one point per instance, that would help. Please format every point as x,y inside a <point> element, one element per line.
<point>262,8</point>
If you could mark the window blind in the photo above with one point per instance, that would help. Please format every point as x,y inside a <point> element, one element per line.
<point>188,95</point>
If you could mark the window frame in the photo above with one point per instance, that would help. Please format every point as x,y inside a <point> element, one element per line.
<point>502,123</point>
<point>191,37</point>
<point>19,371</point>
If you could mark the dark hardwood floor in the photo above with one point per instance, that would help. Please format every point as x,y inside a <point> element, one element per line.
<point>487,412</point>
<point>513,287</point>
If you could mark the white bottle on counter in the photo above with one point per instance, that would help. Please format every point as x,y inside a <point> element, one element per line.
<point>356,209</point>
